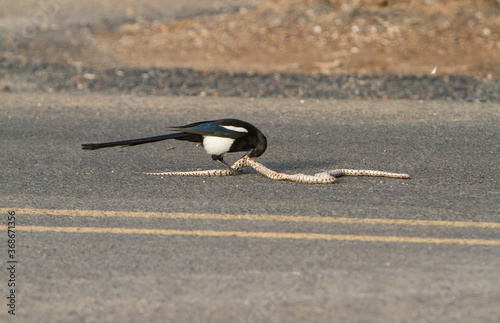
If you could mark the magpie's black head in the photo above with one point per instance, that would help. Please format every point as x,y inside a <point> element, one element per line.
<point>260,147</point>
<point>250,139</point>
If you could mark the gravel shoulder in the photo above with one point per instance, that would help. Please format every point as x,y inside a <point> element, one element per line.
<point>19,76</point>
<point>439,50</point>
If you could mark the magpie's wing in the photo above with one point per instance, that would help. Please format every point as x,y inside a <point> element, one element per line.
<point>209,128</point>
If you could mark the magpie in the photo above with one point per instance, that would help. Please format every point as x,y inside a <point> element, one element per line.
<point>216,136</point>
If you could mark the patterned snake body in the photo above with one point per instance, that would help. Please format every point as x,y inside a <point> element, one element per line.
<point>328,177</point>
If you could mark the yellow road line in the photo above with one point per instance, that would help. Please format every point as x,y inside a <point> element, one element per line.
<point>268,235</point>
<point>252,217</point>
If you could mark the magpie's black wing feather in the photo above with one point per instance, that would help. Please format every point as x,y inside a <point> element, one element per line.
<point>210,128</point>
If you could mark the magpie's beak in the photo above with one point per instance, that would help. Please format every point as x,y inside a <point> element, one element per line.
<point>257,151</point>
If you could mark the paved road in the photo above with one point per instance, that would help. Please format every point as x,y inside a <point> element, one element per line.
<point>98,241</point>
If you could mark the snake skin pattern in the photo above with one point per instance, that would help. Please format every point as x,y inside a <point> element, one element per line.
<point>328,177</point>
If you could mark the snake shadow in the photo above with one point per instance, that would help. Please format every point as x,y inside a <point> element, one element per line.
<point>301,165</point>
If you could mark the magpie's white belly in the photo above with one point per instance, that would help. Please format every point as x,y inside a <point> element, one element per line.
<point>217,145</point>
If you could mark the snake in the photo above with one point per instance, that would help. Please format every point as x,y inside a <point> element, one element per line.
<point>326,177</point>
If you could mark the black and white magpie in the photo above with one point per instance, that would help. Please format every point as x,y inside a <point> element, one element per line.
<point>217,137</point>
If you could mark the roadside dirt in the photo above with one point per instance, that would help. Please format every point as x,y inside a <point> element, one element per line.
<point>325,36</point>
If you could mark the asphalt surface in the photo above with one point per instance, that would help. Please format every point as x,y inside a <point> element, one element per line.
<point>244,248</point>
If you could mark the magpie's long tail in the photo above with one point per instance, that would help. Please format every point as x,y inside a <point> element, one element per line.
<point>133,142</point>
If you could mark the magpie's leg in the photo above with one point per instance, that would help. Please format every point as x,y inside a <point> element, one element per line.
<point>221,160</point>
